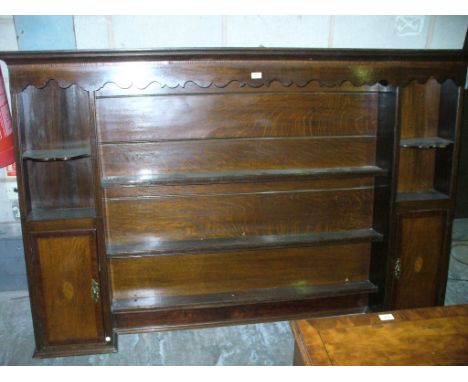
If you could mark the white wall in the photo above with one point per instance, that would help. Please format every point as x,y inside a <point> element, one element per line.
<point>412,32</point>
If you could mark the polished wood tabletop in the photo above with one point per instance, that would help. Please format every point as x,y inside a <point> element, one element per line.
<point>425,336</point>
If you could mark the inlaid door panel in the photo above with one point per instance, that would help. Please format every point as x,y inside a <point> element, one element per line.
<point>67,275</point>
<point>420,259</point>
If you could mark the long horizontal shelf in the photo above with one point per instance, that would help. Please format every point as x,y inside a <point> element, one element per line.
<point>61,214</point>
<point>425,143</point>
<point>425,195</point>
<point>244,242</point>
<point>240,176</point>
<point>57,155</point>
<point>255,296</point>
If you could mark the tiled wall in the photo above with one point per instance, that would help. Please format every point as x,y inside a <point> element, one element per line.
<point>133,32</point>
<point>413,32</point>
<point>127,32</point>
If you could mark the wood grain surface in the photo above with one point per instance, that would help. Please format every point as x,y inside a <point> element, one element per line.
<point>207,273</point>
<point>216,197</point>
<point>66,263</point>
<point>169,218</point>
<point>238,115</point>
<point>426,336</point>
<point>420,109</point>
<point>235,154</point>
<point>54,118</point>
<point>420,246</point>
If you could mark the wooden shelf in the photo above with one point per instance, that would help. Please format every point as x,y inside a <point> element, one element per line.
<point>255,296</point>
<point>425,195</point>
<point>241,176</point>
<point>57,155</point>
<point>425,143</point>
<point>266,241</point>
<point>61,214</point>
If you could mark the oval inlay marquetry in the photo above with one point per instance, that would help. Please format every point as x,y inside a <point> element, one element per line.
<point>418,264</point>
<point>68,290</point>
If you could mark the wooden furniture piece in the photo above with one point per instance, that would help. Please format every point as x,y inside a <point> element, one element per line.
<point>423,336</point>
<point>185,188</point>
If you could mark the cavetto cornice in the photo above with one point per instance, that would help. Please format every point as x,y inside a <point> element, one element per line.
<point>91,71</point>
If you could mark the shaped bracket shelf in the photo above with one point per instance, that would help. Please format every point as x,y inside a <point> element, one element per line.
<point>57,155</point>
<point>426,143</point>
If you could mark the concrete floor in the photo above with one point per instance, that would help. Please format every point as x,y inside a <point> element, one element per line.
<point>457,286</point>
<point>261,344</point>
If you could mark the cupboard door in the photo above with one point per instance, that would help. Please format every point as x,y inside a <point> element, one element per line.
<point>421,259</point>
<point>67,278</point>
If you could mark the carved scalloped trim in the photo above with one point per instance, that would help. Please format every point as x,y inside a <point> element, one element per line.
<point>253,84</point>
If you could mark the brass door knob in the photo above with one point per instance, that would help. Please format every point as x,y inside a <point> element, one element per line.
<point>95,290</point>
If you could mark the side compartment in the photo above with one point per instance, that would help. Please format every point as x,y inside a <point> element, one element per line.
<point>67,294</point>
<point>429,140</point>
<point>54,135</point>
<point>419,269</point>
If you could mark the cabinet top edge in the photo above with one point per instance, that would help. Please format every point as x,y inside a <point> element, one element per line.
<point>183,54</point>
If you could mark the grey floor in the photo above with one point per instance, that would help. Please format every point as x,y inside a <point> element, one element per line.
<point>261,344</point>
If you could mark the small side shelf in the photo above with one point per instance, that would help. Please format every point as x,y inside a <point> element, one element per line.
<point>241,176</point>
<point>417,196</point>
<point>426,143</point>
<point>61,214</point>
<point>224,244</point>
<point>57,155</point>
